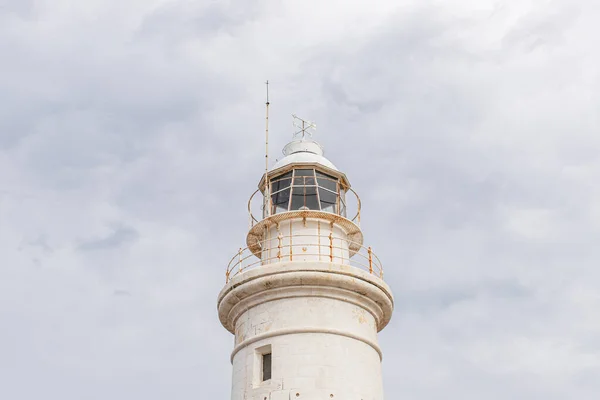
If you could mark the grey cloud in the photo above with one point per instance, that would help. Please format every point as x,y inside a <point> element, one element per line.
<point>197,20</point>
<point>473,155</point>
<point>20,8</point>
<point>543,28</point>
<point>121,235</point>
<point>436,299</point>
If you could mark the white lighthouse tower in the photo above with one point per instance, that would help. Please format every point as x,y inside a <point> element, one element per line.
<point>305,299</point>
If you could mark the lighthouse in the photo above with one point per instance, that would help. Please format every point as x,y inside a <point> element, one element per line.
<point>306,297</point>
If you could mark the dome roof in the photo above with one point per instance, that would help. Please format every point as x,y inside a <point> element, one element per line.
<point>303,151</point>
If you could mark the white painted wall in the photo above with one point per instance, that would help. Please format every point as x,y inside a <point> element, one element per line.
<point>320,362</point>
<point>320,320</point>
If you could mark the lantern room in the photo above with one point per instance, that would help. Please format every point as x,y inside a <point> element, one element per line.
<point>304,180</point>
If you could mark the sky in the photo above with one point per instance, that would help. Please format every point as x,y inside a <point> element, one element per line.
<point>132,135</point>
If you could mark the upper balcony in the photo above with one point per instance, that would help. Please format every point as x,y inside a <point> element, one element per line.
<point>305,247</point>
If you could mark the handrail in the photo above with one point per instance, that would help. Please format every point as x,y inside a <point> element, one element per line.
<point>367,262</point>
<point>252,218</point>
<point>358,206</point>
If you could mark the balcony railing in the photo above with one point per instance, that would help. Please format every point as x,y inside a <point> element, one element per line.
<point>322,248</point>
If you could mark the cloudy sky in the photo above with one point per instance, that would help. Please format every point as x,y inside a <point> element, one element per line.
<point>131,136</point>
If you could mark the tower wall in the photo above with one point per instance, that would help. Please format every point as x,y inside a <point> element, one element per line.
<point>318,320</point>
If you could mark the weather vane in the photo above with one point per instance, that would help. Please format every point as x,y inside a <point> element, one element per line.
<point>301,127</point>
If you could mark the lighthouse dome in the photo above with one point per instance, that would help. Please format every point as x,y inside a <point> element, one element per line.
<point>303,151</point>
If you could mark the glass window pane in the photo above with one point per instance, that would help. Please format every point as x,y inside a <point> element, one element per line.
<point>297,197</point>
<point>281,198</point>
<point>280,184</point>
<point>329,184</point>
<point>299,181</point>
<point>328,200</point>
<point>311,202</point>
<point>283,176</point>
<point>328,207</point>
<point>266,366</point>
<point>327,196</point>
<point>304,172</point>
<point>281,201</point>
<point>309,181</point>
<point>274,186</point>
<point>322,175</point>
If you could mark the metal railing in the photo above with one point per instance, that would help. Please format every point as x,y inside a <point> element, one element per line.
<point>324,248</point>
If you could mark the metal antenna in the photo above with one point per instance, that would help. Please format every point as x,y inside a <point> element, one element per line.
<point>267,196</point>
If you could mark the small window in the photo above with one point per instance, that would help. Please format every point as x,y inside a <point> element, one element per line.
<point>266,366</point>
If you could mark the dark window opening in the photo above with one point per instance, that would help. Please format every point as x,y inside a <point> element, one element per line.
<point>266,366</point>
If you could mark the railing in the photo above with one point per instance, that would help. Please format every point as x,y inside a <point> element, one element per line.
<point>324,248</point>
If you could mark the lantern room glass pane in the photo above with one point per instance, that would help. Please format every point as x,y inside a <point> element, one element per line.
<point>304,198</point>
<point>322,175</point>
<point>310,198</point>
<point>304,172</point>
<point>328,200</point>
<point>307,189</point>
<point>297,198</point>
<point>281,201</point>
<point>328,184</point>
<point>327,196</point>
<point>280,184</point>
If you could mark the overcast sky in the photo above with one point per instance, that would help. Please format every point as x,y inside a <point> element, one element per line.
<point>131,136</point>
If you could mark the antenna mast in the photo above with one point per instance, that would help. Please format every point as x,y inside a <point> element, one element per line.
<point>267,202</point>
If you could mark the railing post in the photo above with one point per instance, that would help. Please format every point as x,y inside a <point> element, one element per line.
<point>331,247</point>
<point>279,237</point>
<point>227,276</point>
<point>241,267</point>
<point>370,260</point>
